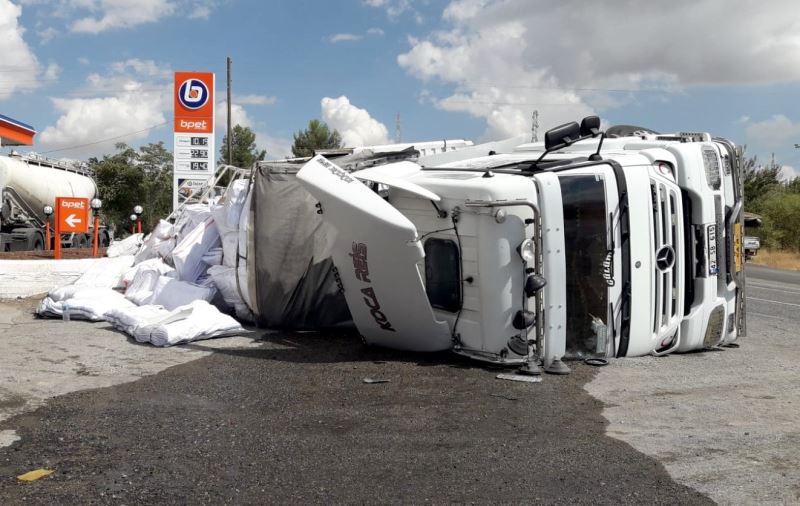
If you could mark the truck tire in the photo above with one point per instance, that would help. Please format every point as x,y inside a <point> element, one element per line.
<point>104,239</point>
<point>37,243</point>
<point>81,241</point>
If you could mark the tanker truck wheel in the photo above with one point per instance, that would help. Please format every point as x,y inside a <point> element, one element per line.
<point>38,244</point>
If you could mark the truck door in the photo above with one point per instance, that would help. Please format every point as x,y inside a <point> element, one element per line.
<point>378,257</point>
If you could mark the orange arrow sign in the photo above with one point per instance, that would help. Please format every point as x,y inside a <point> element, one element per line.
<point>72,215</point>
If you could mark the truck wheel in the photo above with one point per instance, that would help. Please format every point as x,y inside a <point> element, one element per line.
<point>104,240</point>
<point>80,241</point>
<point>35,241</point>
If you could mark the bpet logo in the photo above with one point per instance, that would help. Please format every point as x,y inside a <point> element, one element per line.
<point>193,94</point>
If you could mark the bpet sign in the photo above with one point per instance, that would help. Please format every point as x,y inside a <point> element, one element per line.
<point>194,152</point>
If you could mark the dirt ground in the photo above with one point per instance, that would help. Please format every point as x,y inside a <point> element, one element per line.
<point>73,253</point>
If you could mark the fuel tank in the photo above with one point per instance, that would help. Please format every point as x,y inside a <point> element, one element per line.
<point>36,186</point>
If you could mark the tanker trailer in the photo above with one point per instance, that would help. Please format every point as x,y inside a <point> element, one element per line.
<point>27,185</point>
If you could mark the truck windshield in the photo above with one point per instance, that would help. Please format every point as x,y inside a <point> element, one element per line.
<point>586,250</point>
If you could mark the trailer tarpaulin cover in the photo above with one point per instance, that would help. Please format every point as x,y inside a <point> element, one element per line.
<point>295,283</point>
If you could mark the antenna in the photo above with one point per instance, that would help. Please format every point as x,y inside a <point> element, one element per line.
<point>535,126</point>
<point>398,137</point>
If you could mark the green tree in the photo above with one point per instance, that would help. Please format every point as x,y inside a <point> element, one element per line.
<point>316,136</point>
<point>781,213</point>
<point>244,152</point>
<point>129,178</point>
<point>759,181</point>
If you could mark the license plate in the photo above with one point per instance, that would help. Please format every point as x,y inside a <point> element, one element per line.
<point>737,246</point>
<point>711,238</point>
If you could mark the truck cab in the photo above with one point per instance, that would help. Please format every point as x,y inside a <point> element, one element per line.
<point>708,172</point>
<point>504,257</point>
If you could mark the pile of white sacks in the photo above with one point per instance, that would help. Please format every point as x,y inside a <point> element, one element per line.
<point>174,286</point>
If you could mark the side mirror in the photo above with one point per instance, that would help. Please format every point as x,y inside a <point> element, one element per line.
<point>561,136</point>
<point>590,126</point>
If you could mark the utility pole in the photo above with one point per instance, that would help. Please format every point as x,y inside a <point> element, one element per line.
<point>398,137</point>
<point>535,126</point>
<point>230,137</point>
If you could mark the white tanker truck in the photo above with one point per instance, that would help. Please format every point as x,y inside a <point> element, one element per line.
<point>27,185</point>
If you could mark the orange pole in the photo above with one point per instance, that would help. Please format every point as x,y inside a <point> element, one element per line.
<point>57,246</point>
<point>139,225</point>
<point>96,235</point>
<point>47,235</point>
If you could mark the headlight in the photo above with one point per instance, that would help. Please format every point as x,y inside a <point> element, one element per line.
<point>526,251</point>
<point>711,164</point>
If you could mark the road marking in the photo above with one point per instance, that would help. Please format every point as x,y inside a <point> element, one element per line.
<point>765,287</point>
<point>753,313</point>
<point>774,301</point>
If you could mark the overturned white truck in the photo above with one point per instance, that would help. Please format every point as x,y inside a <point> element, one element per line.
<point>567,249</point>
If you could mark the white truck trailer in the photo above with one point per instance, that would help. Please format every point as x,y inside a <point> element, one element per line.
<point>27,185</point>
<point>512,258</point>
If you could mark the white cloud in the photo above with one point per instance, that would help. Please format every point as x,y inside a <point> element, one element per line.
<point>355,125</point>
<point>343,37</point>
<point>394,8</point>
<point>788,173</point>
<point>774,132</point>
<point>277,148</point>
<point>121,14</point>
<point>254,99</point>
<point>19,68</point>
<point>508,57</point>
<point>111,14</point>
<point>239,116</point>
<point>83,60</point>
<point>121,106</point>
<point>47,34</point>
<point>352,37</point>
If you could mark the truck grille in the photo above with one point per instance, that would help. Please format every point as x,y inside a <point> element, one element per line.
<point>666,249</point>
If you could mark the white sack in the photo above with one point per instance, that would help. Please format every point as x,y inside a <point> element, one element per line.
<point>162,233</point>
<point>225,280</point>
<point>105,272</point>
<point>192,215</point>
<point>136,321</point>
<point>152,264</point>
<point>204,322</point>
<point>140,290</point>
<point>172,293</point>
<point>128,246</point>
<point>213,256</point>
<point>84,304</point>
<point>188,254</point>
<point>244,223</point>
<point>227,217</point>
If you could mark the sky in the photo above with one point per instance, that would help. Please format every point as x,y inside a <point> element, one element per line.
<point>89,73</point>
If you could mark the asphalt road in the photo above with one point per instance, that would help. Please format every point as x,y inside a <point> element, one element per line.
<point>290,420</point>
<point>773,294</point>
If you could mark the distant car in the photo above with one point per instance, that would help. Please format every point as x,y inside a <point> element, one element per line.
<point>751,246</point>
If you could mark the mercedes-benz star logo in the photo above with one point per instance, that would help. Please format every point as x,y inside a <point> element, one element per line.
<point>665,258</point>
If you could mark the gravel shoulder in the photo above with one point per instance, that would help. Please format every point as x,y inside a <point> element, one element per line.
<point>725,422</point>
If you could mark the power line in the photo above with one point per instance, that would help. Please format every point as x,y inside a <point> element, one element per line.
<point>104,140</point>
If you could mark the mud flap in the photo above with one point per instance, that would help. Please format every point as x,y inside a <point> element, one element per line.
<point>377,254</point>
